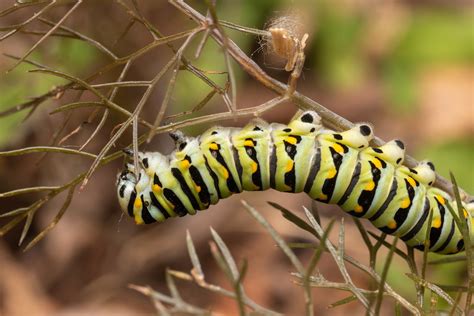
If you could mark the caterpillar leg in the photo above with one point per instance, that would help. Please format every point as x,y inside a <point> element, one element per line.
<point>305,123</point>
<point>424,173</point>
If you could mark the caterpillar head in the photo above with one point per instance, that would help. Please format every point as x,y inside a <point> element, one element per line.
<point>126,192</point>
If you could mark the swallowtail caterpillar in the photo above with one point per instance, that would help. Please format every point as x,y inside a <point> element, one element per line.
<point>331,167</point>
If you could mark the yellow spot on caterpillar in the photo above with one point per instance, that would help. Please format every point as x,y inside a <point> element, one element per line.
<point>440,199</point>
<point>338,148</point>
<point>377,163</point>
<point>289,166</point>
<point>323,197</point>
<point>185,164</point>
<point>156,188</point>
<point>224,173</point>
<point>213,146</point>
<point>370,186</point>
<point>291,140</point>
<point>254,166</point>
<point>332,173</point>
<point>139,220</point>
<point>405,203</point>
<point>411,181</point>
<point>436,222</point>
<point>358,209</point>
<point>392,224</point>
<point>197,188</point>
<point>248,142</point>
<point>138,203</point>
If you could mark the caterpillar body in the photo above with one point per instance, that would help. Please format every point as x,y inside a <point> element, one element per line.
<point>331,167</point>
